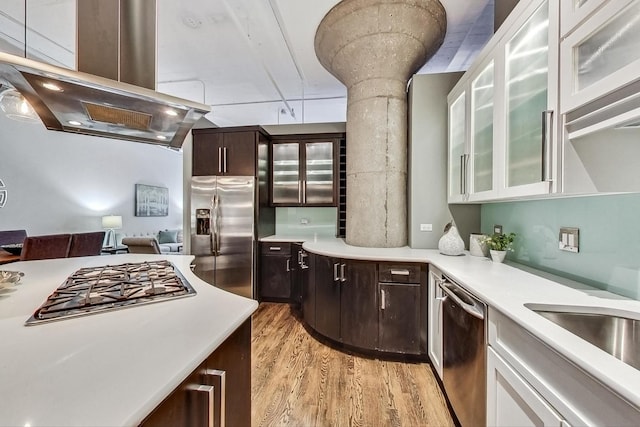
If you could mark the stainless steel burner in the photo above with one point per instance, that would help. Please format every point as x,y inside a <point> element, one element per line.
<point>96,289</point>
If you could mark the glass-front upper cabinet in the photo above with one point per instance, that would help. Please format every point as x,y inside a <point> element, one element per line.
<point>481,168</point>
<point>304,172</point>
<point>531,76</point>
<point>457,148</point>
<point>319,175</point>
<point>573,12</point>
<point>601,56</point>
<point>286,173</point>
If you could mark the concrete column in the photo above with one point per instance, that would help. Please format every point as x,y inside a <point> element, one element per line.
<point>373,47</point>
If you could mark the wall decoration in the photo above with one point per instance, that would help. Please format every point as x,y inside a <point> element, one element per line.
<point>152,201</point>
<point>3,194</point>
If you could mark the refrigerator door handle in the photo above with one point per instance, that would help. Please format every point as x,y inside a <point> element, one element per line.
<point>216,226</point>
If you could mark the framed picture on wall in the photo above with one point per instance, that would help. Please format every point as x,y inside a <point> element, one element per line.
<point>152,201</point>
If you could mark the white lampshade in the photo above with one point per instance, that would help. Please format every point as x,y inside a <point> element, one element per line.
<point>112,222</point>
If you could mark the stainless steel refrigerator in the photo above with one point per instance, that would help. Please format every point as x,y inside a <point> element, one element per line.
<point>223,236</point>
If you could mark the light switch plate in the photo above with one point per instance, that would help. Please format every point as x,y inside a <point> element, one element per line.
<point>569,239</point>
<point>426,227</point>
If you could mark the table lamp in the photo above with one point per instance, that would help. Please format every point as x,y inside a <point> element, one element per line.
<point>111,223</point>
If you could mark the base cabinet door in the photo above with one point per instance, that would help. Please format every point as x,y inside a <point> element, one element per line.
<point>217,393</point>
<point>359,304</point>
<point>309,291</point>
<point>436,297</point>
<point>511,401</point>
<point>400,317</point>
<point>327,287</point>
<point>275,277</point>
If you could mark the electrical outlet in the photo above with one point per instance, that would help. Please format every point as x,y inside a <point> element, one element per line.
<point>569,239</point>
<point>497,229</point>
<point>426,227</point>
<point>304,221</point>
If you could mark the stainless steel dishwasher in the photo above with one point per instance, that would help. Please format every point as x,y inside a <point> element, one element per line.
<point>464,353</point>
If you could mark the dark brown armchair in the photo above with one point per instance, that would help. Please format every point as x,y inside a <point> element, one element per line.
<point>86,244</point>
<point>45,247</point>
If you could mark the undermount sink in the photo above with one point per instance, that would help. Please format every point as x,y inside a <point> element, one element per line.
<point>615,331</point>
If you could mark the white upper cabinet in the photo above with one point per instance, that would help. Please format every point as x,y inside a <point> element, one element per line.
<point>457,148</point>
<point>573,12</point>
<point>531,81</point>
<point>601,56</point>
<point>481,148</point>
<point>511,123</point>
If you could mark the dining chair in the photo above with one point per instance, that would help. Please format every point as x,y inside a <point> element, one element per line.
<point>45,247</point>
<point>141,245</point>
<point>11,237</point>
<point>86,244</point>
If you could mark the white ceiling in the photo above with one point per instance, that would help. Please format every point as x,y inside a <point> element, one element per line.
<point>253,61</point>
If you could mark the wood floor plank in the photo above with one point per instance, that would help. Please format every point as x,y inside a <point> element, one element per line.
<point>298,381</point>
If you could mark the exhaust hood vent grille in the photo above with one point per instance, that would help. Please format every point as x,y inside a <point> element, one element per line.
<point>118,116</point>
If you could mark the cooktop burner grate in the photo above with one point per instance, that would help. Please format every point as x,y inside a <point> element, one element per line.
<point>96,289</point>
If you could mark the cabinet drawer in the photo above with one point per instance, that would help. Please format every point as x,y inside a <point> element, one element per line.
<point>399,273</point>
<point>276,248</point>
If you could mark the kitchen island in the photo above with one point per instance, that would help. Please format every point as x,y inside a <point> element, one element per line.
<point>111,368</point>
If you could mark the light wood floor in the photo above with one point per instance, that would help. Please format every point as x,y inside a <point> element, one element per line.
<point>297,381</point>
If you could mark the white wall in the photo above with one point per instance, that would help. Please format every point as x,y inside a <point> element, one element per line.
<point>61,182</point>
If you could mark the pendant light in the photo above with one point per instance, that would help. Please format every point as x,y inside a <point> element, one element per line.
<point>16,107</point>
<point>12,103</point>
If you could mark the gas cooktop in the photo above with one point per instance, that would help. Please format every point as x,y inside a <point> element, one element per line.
<point>97,289</point>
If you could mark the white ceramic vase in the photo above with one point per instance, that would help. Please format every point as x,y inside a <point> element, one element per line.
<point>497,256</point>
<point>451,243</point>
<point>476,245</point>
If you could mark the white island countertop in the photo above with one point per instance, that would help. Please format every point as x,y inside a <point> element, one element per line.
<point>507,288</point>
<point>110,368</point>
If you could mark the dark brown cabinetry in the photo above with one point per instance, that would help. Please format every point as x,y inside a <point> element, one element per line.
<point>359,304</point>
<point>326,278</point>
<point>227,151</point>
<point>275,271</point>
<point>304,170</point>
<point>399,311</point>
<point>368,305</point>
<point>216,393</point>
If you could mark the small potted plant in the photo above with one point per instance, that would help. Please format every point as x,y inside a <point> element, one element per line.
<point>499,244</point>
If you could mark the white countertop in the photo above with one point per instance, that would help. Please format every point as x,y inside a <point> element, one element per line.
<point>106,369</point>
<point>290,238</point>
<point>507,288</point>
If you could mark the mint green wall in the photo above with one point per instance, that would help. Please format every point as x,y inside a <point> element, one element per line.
<point>320,221</point>
<point>609,256</point>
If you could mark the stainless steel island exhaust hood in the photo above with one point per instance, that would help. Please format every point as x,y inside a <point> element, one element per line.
<point>78,102</point>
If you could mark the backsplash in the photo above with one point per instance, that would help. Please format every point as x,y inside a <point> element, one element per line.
<point>306,221</point>
<point>609,256</point>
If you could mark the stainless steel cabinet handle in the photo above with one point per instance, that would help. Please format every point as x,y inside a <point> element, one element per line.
<point>275,248</point>
<point>547,140</point>
<point>200,388</point>
<point>335,272</point>
<point>222,375</point>
<point>399,272</point>
<point>462,174</point>
<point>304,191</point>
<point>288,265</point>
<point>219,159</point>
<point>299,191</point>
<point>225,160</point>
<point>383,301</point>
<point>342,278</point>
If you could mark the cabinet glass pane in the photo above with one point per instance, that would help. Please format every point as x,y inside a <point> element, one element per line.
<point>286,175</point>
<point>482,114</point>
<point>456,143</point>
<point>319,175</point>
<point>609,49</point>
<point>527,69</point>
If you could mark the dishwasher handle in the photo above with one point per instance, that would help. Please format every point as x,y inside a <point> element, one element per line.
<point>472,309</point>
